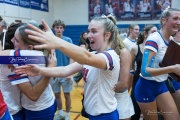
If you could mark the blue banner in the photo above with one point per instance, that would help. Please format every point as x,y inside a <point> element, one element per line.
<point>35,4</point>
<point>44,5</point>
<point>24,3</point>
<point>40,5</point>
<point>12,2</point>
<point>22,60</point>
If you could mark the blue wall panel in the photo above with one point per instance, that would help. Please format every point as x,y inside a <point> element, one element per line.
<point>74,31</point>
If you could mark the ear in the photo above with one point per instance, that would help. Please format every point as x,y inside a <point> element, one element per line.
<point>107,35</point>
<point>30,47</point>
<point>163,20</point>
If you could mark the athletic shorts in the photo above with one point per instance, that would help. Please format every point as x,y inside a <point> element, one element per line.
<point>6,116</point>
<point>106,116</point>
<point>67,85</point>
<point>19,115</point>
<point>147,90</point>
<point>124,105</point>
<point>176,85</point>
<point>46,114</point>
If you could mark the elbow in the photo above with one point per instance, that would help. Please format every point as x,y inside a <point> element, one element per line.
<point>34,98</point>
<point>145,73</point>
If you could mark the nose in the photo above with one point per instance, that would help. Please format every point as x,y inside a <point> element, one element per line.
<point>88,35</point>
<point>12,40</point>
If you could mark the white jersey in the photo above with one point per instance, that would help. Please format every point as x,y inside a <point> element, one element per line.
<point>98,85</point>
<point>129,43</point>
<point>47,97</point>
<point>144,7</point>
<point>156,43</point>
<point>166,4</point>
<point>109,8</point>
<point>11,93</point>
<point>97,8</point>
<point>127,7</point>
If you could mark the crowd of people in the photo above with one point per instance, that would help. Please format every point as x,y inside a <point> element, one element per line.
<point>122,78</point>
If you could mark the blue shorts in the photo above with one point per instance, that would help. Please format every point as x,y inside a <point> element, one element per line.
<point>106,116</point>
<point>46,114</point>
<point>6,116</point>
<point>19,115</point>
<point>176,85</point>
<point>67,85</point>
<point>148,90</point>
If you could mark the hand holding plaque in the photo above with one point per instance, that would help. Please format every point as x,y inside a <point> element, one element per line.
<point>172,57</point>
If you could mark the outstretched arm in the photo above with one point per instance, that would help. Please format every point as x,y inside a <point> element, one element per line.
<point>50,41</point>
<point>63,71</point>
<point>33,92</point>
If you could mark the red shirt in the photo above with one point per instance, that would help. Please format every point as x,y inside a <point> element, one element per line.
<point>3,105</point>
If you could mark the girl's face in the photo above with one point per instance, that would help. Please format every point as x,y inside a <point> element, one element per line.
<point>172,23</point>
<point>17,40</point>
<point>135,31</point>
<point>85,35</point>
<point>96,35</point>
<point>152,30</point>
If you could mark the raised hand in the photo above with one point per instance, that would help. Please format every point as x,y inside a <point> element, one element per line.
<point>47,39</point>
<point>28,70</point>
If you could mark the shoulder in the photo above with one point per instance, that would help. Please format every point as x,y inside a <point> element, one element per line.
<point>110,54</point>
<point>4,52</point>
<point>125,56</point>
<point>134,47</point>
<point>25,53</point>
<point>31,52</point>
<point>68,39</point>
<point>125,53</point>
<point>125,40</point>
<point>154,36</point>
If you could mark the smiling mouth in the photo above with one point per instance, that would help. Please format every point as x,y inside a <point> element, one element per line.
<point>92,42</point>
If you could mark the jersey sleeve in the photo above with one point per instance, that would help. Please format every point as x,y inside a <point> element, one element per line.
<point>152,42</point>
<point>16,78</point>
<point>109,60</point>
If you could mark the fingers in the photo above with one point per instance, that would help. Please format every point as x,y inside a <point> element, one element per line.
<point>23,75</point>
<point>35,35</point>
<point>23,67</point>
<point>22,71</point>
<point>46,27</point>
<point>43,46</point>
<point>34,28</point>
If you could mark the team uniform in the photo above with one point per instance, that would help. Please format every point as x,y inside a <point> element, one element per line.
<point>4,113</point>
<point>147,88</point>
<point>129,43</point>
<point>97,8</point>
<point>109,8</point>
<point>144,7</point>
<point>11,93</point>
<point>127,7</point>
<point>165,5</point>
<point>125,105</point>
<point>62,60</point>
<point>176,85</point>
<point>99,101</point>
<point>45,107</point>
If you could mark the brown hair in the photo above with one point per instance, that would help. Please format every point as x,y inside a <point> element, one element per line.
<point>59,23</point>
